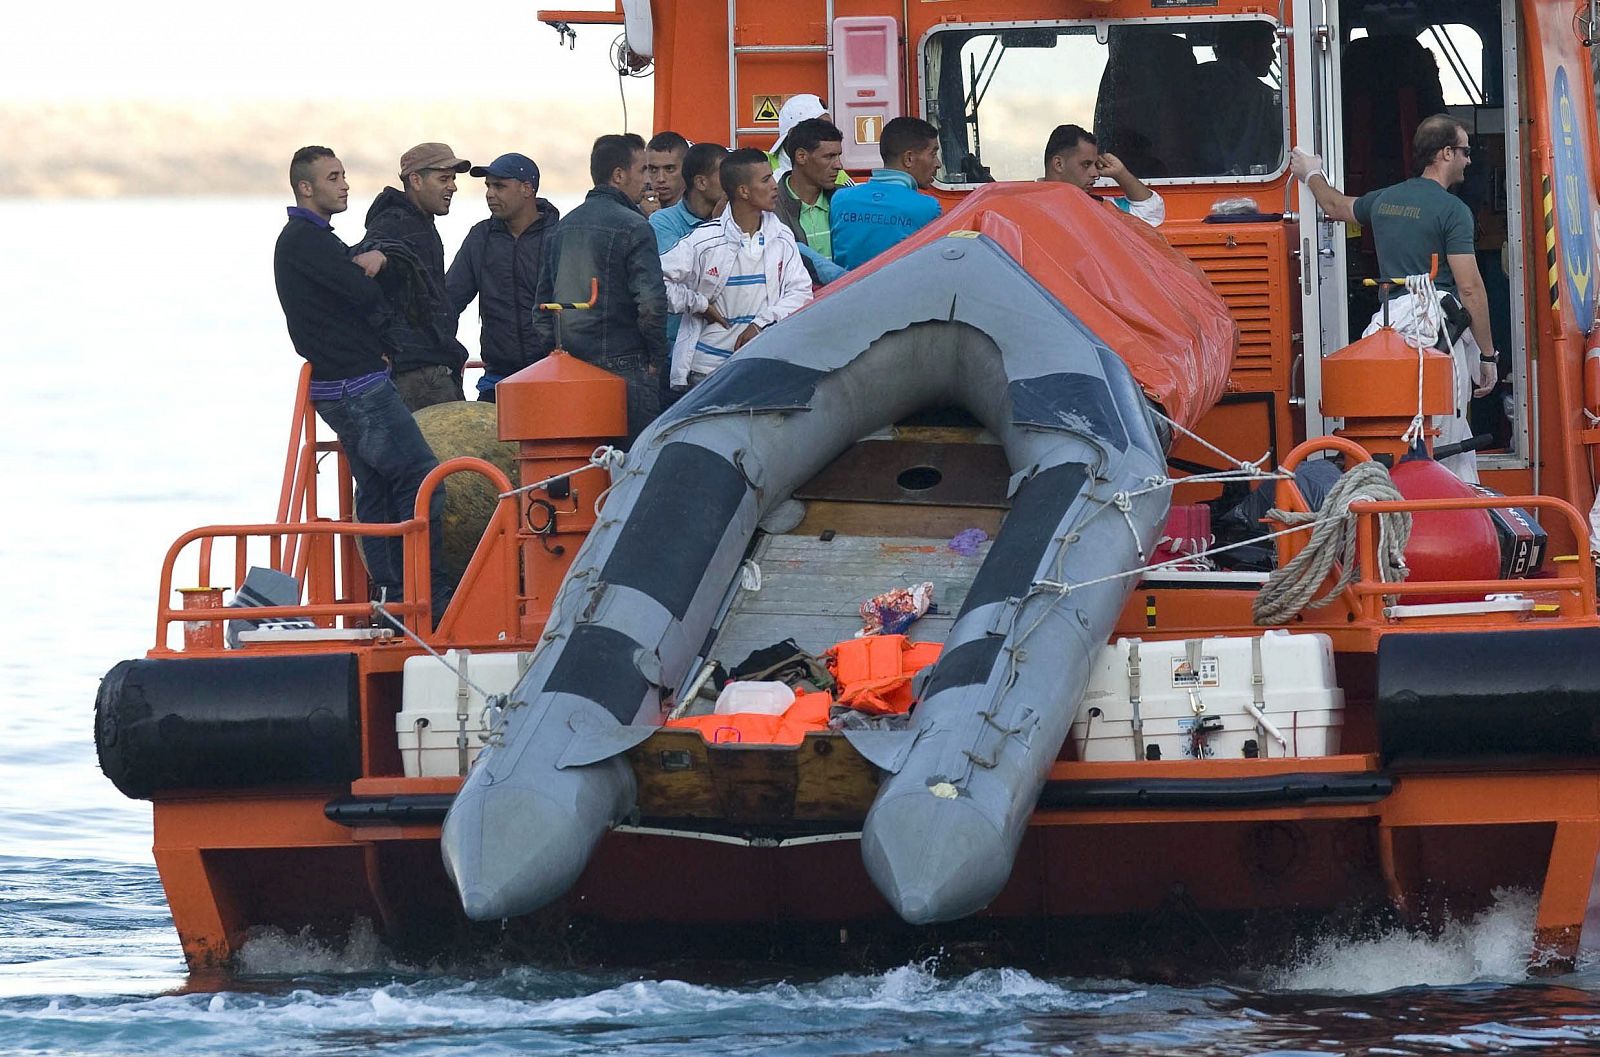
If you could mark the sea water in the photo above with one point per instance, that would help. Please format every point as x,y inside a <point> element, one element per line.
<point>146,391</point>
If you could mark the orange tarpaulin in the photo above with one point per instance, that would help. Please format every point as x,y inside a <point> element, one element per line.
<point>1116,274</point>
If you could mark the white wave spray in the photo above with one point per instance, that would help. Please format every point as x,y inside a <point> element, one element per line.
<point>1495,945</point>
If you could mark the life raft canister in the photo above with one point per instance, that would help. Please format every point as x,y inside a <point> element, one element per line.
<point>874,672</point>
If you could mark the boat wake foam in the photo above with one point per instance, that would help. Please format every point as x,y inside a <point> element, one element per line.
<point>274,952</point>
<point>1493,946</point>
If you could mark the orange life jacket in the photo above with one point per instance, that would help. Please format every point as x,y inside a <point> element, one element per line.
<point>874,675</point>
<point>874,671</point>
<point>809,712</point>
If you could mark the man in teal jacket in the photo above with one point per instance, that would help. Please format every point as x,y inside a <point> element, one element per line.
<point>869,218</point>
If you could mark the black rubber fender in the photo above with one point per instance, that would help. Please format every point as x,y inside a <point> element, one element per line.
<point>169,724</point>
<point>1489,693</point>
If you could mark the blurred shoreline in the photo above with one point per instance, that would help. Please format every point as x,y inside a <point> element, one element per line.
<point>180,148</point>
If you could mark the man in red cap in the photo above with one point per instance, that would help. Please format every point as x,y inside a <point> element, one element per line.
<point>428,358</point>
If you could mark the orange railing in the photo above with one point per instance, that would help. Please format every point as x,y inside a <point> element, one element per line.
<point>323,554</point>
<point>297,498</point>
<point>312,545</point>
<point>1575,594</point>
<point>1364,598</point>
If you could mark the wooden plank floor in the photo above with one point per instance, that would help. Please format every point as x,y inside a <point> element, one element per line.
<point>812,591</point>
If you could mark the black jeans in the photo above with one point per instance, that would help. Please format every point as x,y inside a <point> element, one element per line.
<point>389,459</point>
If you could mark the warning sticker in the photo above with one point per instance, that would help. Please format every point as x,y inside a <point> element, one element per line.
<point>765,107</point>
<point>1185,675</point>
<point>869,129</point>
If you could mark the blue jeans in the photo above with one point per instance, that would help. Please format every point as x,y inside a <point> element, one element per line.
<point>388,459</point>
<point>644,392</point>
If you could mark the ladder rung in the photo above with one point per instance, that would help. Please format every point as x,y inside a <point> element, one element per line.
<point>776,49</point>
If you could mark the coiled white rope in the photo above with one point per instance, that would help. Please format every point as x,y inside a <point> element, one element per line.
<point>1290,588</point>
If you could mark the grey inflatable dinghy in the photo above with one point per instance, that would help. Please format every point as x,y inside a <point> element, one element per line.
<point>957,323</point>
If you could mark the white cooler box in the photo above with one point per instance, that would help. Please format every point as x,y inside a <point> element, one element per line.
<point>428,724</point>
<point>1210,684</point>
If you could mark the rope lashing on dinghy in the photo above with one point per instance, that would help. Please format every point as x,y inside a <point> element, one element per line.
<point>1332,529</point>
<point>1290,588</point>
<point>604,457</point>
<point>1063,588</point>
<point>1122,501</point>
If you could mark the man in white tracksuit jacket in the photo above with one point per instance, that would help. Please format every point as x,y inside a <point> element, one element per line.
<point>733,276</point>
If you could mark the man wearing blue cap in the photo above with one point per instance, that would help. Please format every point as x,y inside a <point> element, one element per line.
<point>498,263</point>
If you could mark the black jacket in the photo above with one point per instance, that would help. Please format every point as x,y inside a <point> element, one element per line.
<point>418,344</point>
<point>608,239</point>
<point>335,313</point>
<point>502,272</point>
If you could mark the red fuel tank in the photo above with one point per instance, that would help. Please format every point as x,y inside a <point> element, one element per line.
<point>1445,544</point>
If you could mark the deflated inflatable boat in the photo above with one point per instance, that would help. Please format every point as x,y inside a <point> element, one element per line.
<point>973,314</point>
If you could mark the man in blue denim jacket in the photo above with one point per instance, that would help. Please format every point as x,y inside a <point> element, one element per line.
<point>608,239</point>
<point>335,311</point>
<point>888,209</point>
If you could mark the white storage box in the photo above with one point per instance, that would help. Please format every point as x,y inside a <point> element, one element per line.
<point>1194,697</point>
<point>428,725</point>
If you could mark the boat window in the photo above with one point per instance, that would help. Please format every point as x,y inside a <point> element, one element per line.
<point>1173,100</point>
<point>1458,53</point>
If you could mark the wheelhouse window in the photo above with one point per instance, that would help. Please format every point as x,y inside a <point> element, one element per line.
<point>1458,55</point>
<point>1173,100</point>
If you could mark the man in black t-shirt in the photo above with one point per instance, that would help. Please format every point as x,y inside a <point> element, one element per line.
<point>1412,222</point>
<point>336,313</point>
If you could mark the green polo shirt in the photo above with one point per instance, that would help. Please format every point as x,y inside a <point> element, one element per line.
<point>817,225</point>
<point>1411,222</point>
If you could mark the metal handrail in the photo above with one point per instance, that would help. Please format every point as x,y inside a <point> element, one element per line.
<point>298,425</point>
<point>1577,593</point>
<point>297,497</point>
<point>1363,599</point>
<point>415,605</point>
<point>166,614</point>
